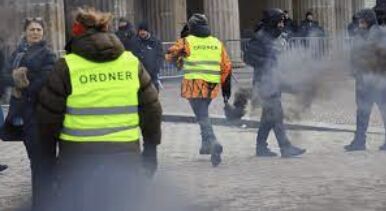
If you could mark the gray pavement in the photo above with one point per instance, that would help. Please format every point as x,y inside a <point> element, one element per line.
<point>326,178</point>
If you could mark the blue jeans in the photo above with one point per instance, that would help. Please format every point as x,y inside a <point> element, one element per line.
<point>200,108</point>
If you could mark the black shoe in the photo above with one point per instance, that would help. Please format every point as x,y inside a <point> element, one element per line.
<point>264,152</point>
<point>3,167</point>
<point>383,147</point>
<point>291,151</point>
<point>205,148</point>
<point>216,154</point>
<point>355,146</point>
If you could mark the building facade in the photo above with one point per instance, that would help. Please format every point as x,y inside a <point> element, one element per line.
<point>229,19</point>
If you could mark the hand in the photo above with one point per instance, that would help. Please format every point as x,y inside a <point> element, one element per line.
<point>149,160</point>
<point>20,78</point>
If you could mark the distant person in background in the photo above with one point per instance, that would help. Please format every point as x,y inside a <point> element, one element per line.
<point>290,27</point>
<point>126,33</point>
<point>149,51</point>
<point>353,27</point>
<point>310,28</point>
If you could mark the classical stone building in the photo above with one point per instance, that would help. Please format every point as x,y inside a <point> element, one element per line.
<point>229,19</point>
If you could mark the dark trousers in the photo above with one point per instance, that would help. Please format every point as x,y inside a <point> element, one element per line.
<point>41,167</point>
<point>100,182</point>
<point>272,119</point>
<point>367,94</point>
<point>200,108</point>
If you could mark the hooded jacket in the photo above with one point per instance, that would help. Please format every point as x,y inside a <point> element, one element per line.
<point>262,53</point>
<point>369,50</point>
<point>97,47</point>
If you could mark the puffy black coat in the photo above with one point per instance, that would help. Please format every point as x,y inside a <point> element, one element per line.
<point>262,53</point>
<point>150,53</point>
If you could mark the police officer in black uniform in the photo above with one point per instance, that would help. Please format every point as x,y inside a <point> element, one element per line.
<point>261,53</point>
<point>370,75</point>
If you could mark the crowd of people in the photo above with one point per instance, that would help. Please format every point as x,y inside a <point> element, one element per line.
<point>78,132</point>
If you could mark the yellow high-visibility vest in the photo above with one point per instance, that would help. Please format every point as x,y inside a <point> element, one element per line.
<point>204,60</point>
<point>103,105</point>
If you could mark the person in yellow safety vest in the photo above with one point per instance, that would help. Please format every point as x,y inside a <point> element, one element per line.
<point>95,105</point>
<point>207,67</point>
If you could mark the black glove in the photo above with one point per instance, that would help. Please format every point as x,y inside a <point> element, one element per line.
<point>227,88</point>
<point>149,159</point>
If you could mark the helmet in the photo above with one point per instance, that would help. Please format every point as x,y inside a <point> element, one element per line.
<point>273,16</point>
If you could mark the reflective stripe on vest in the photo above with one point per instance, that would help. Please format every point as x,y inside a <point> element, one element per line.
<point>204,60</point>
<point>103,105</point>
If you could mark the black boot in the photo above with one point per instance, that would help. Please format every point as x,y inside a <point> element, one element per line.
<point>216,150</point>
<point>356,145</point>
<point>3,167</point>
<point>291,151</point>
<point>383,147</point>
<point>264,152</point>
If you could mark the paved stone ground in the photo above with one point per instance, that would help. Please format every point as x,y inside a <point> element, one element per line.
<point>334,105</point>
<point>326,178</point>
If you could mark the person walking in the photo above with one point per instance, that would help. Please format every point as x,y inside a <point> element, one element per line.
<point>149,51</point>
<point>95,105</point>
<point>262,53</point>
<point>370,78</point>
<point>206,67</point>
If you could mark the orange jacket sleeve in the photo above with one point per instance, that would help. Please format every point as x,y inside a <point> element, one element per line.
<point>178,50</point>
<point>226,65</point>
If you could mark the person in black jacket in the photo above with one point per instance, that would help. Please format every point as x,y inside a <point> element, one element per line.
<point>262,53</point>
<point>126,33</point>
<point>310,28</point>
<point>29,66</point>
<point>289,25</point>
<point>149,51</point>
<point>370,75</point>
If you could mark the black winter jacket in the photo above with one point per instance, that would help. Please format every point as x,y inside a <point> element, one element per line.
<point>150,53</point>
<point>38,59</point>
<point>262,53</point>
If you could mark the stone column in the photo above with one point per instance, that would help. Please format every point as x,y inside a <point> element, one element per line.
<point>165,17</point>
<point>343,9</point>
<point>324,12</point>
<point>224,22</point>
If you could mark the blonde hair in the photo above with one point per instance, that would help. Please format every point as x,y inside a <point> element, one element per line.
<point>90,18</point>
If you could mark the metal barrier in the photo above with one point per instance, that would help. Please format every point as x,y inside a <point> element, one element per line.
<point>317,47</point>
<point>169,70</point>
